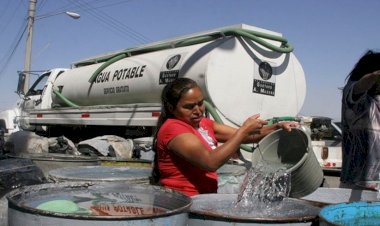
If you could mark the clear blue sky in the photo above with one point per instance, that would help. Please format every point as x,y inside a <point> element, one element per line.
<point>329,36</point>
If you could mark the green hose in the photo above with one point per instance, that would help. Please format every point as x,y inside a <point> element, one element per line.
<point>106,64</point>
<point>251,35</point>
<point>67,101</point>
<point>283,118</point>
<point>255,36</point>
<point>213,112</point>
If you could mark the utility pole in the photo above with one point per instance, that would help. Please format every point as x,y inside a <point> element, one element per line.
<point>28,51</point>
<point>23,85</point>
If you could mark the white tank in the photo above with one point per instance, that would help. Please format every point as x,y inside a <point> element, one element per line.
<point>237,75</point>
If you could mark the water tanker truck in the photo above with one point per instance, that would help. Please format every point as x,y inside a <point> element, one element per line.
<point>241,69</point>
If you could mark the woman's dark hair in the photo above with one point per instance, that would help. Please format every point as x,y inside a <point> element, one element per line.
<point>368,63</point>
<point>170,96</point>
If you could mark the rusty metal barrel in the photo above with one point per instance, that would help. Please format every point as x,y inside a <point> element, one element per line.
<point>219,210</point>
<point>15,173</point>
<point>97,204</point>
<point>135,175</point>
<point>50,161</point>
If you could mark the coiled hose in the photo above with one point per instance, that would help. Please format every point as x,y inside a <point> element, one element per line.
<point>251,35</point>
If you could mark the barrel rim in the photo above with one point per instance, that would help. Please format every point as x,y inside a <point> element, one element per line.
<point>210,216</point>
<point>55,157</point>
<point>57,174</point>
<point>117,159</point>
<point>223,216</point>
<point>12,204</point>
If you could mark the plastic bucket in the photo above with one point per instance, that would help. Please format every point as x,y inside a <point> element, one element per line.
<point>354,213</point>
<point>293,151</point>
<point>218,210</point>
<point>135,175</point>
<point>97,204</point>
<point>230,178</point>
<point>50,161</point>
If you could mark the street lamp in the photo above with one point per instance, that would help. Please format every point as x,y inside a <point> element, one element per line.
<point>70,14</point>
<point>28,52</point>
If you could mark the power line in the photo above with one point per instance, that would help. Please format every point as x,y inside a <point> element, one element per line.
<point>2,13</point>
<point>112,23</point>
<point>69,8</point>
<point>7,21</point>
<point>12,51</point>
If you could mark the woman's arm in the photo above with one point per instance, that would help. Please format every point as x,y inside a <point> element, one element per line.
<point>189,147</point>
<point>269,129</point>
<point>369,82</point>
<point>224,132</point>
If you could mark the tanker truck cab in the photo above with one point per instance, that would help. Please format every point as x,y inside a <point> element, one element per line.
<point>38,96</point>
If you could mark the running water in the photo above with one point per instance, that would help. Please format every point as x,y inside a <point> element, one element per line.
<point>264,188</point>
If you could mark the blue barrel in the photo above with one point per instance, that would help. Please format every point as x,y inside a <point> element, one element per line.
<point>354,213</point>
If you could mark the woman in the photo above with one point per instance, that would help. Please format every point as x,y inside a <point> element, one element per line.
<point>186,143</point>
<point>361,121</point>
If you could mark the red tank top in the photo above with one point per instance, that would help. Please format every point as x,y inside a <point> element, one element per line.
<point>177,173</point>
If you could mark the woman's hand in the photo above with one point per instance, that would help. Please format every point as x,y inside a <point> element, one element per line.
<point>287,125</point>
<point>253,124</point>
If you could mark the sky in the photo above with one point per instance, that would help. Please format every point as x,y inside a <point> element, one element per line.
<point>329,36</point>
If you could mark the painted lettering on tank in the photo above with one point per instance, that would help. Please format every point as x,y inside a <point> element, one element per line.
<point>122,89</point>
<point>103,77</point>
<point>109,90</point>
<point>128,73</point>
<point>115,90</point>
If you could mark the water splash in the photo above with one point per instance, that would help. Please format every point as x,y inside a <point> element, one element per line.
<point>263,188</point>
